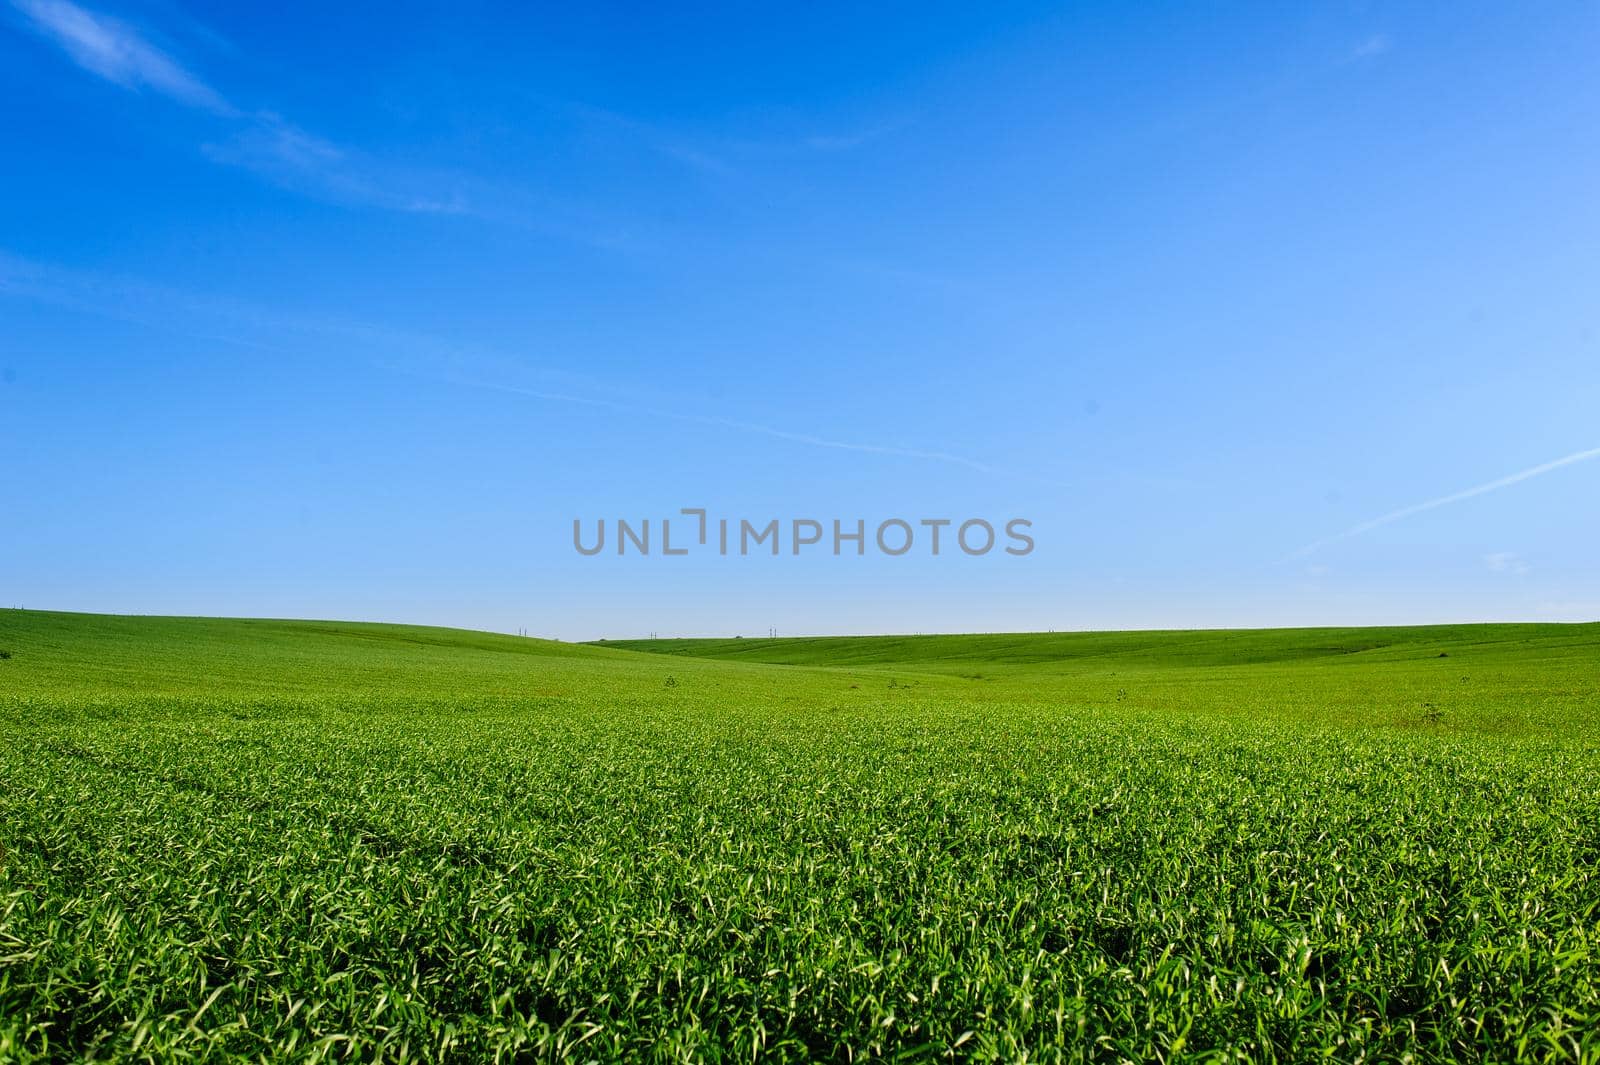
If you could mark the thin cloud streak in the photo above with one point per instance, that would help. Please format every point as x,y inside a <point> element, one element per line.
<point>294,159</point>
<point>130,302</point>
<point>1375,45</point>
<point>281,152</point>
<point>758,429</point>
<point>115,51</point>
<point>262,142</point>
<point>1456,497</point>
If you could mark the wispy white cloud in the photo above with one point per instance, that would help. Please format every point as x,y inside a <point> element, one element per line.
<point>117,52</point>
<point>424,358</point>
<point>1375,45</point>
<point>757,429</point>
<point>302,162</point>
<point>1454,497</point>
<point>1506,562</point>
<point>262,142</point>
<point>286,154</point>
<point>842,142</point>
<point>119,299</point>
<point>686,151</point>
<point>717,156</point>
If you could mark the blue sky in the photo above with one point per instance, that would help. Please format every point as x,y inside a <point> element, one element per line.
<point>349,311</point>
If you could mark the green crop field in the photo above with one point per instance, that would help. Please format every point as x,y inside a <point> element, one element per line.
<point>305,840</point>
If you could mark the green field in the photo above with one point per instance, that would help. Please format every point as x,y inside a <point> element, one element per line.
<point>302,840</point>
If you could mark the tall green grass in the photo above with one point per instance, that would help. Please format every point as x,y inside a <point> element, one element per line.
<point>287,840</point>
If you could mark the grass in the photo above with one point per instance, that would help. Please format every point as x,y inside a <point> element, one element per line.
<point>306,840</point>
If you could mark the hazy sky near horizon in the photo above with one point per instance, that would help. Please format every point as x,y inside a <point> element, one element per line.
<point>1260,313</point>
